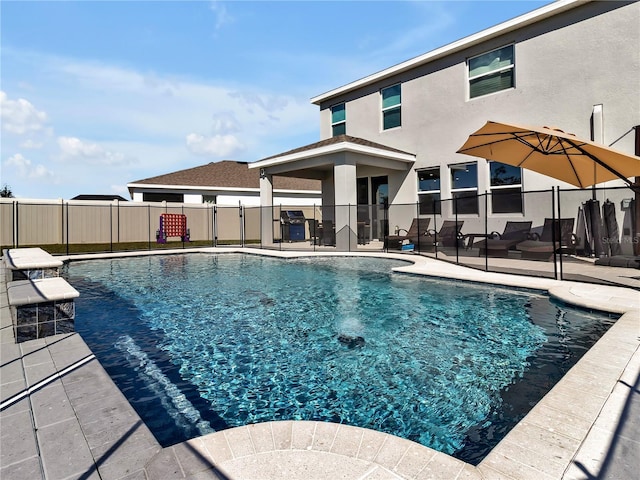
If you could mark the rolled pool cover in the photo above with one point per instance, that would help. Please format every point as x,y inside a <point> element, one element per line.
<point>611,228</point>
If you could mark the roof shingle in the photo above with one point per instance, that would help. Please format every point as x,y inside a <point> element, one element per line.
<point>229,174</point>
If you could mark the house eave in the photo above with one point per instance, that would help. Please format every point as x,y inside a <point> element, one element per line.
<point>334,148</point>
<point>237,190</point>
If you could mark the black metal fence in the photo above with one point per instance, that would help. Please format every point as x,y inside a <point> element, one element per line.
<point>562,234</point>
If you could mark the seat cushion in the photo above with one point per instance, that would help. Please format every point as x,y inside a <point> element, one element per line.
<point>535,246</point>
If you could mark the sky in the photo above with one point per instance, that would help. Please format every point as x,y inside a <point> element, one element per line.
<point>95,95</point>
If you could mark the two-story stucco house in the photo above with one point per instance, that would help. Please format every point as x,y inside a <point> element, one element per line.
<point>393,135</point>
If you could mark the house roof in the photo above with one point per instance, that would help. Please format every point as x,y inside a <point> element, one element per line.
<point>226,174</point>
<point>521,21</point>
<point>99,197</point>
<point>339,139</point>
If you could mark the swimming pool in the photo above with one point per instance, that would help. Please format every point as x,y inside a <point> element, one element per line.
<point>203,342</point>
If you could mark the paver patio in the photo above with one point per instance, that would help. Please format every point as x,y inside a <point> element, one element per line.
<point>63,417</point>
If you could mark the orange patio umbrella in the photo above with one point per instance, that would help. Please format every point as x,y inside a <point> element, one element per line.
<point>554,153</point>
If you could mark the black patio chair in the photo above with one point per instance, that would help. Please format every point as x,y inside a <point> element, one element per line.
<point>448,236</point>
<point>499,244</point>
<point>419,228</point>
<point>543,246</point>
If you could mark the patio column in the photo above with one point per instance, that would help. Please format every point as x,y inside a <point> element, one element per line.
<point>328,198</point>
<point>266,208</point>
<point>344,174</point>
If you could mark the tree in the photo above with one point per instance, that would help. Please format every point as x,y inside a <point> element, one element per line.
<point>6,191</point>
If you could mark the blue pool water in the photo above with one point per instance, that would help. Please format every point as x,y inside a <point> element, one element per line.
<point>201,342</point>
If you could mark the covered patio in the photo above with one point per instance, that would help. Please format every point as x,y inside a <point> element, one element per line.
<point>353,172</point>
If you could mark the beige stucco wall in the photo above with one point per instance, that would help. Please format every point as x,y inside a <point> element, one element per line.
<point>564,66</point>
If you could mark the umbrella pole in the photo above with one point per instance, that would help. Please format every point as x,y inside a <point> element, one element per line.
<point>553,231</point>
<point>560,235</point>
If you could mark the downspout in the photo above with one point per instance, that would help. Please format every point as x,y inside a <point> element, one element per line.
<point>636,245</point>
<point>597,135</point>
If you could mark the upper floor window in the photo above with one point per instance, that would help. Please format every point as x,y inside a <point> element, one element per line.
<point>491,72</point>
<point>506,188</point>
<point>338,120</point>
<point>391,107</point>
<point>464,187</point>
<point>429,191</point>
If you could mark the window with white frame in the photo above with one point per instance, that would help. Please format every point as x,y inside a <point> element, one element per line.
<point>391,107</point>
<point>491,72</point>
<point>464,188</point>
<point>429,191</point>
<point>338,120</point>
<point>506,188</point>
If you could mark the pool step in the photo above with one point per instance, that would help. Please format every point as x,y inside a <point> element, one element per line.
<point>42,303</point>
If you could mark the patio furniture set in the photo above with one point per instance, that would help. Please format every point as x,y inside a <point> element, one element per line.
<point>516,236</point>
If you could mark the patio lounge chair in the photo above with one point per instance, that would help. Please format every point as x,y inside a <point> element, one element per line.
<point>542,247</point>
<point>448,236</point>
<point>499,244</point>
<point>417,231</point>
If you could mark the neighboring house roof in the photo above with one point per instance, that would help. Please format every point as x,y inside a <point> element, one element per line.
<point>521,21</point>
<point>334,141</point>
<point>100,197</point>
<point>226,174</point>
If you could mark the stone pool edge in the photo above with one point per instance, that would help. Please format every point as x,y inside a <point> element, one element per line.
<point>572,425</point>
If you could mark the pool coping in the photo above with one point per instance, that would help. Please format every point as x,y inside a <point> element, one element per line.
<point>568,434</point>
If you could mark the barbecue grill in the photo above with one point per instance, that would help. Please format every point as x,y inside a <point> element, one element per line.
<point>292,223</point>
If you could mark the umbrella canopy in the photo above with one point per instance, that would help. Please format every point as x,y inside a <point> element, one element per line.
<point>552,152</point>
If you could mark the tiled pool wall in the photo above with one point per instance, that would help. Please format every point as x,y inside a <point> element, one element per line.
<point>39,320</point>
<point>34,274</point>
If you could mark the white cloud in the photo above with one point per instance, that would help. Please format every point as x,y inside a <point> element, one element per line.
<point>149,124</point>
<point>73,148</point>
<point>111,78</point>
<point>222,14</point>
<point>31,144</point>
<point>149,105</point>
<point>20,116</point>
<point>25,168</point>
<point>17,161</point>
<point>40,171</point>
<point>267,103</point>
<point>214,146</point>
<point>225,123</point>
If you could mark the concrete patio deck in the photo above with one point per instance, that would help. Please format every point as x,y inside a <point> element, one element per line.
<point>62,417</point>
<point>581,269</point>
